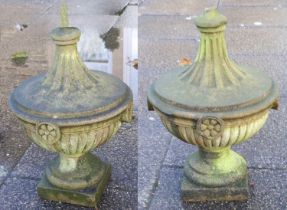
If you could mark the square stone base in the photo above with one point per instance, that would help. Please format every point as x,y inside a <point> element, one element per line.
<point>87,197</point>
<point>192,192</point>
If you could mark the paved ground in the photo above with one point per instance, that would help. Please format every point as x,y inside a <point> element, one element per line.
<point>166,34</point>
<point>22,163</point>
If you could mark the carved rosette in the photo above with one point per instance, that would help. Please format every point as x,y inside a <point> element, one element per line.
<point>48,133</point>
<point>209,127</point>
<point>211,132</point>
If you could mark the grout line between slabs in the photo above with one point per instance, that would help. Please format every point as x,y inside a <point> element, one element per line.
<point>155,185</point>
<point>9,175</point>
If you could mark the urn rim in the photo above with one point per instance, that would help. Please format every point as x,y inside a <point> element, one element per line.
<point>101,112</point>
<point>166,104</point>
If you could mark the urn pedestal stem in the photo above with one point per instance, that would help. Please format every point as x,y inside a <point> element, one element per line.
<point>220,175</point>
<point>68,164</point>
<point>215,168</point>
<point>76,173</point>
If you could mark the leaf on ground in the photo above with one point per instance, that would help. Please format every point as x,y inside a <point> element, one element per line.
<point>184,62</point>
<point>135,64</point>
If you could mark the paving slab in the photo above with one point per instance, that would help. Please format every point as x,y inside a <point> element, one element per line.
<point>254,3</point>
<point>186,7</point>
<point>255,17</point>
<point>273,66</point>
<point>259,41</point>
<point>167,27</point>
<point>241,40</point>
<point>28,2</point>
<point>122,152</point>
<point>244,17</point>
<point>268,190</point>
<point>160,56</point>
<point>20,12</point>
<point>153,144</point>
<point>175,7</point>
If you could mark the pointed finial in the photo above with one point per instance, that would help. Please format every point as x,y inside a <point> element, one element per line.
<point>64,14</point>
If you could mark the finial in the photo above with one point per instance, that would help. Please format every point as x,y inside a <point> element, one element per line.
<point>64,14</point>
<point>212,67</point>
<point>211,18</point>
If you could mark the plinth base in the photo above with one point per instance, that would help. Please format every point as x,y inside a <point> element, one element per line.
<point>192,192</point>
<point>89,197</point>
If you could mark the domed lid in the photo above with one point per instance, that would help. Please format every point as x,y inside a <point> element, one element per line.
<point>213,84</point>
<point>69,93</point>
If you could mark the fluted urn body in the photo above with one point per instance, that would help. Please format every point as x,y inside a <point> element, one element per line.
<point>71,110</point>
<point>213,104</point>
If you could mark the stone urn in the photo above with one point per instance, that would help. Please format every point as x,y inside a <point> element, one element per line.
<point>213,104</point>
<point>71,110</point>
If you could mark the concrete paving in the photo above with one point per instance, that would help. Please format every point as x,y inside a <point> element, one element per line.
<point>167,34</point>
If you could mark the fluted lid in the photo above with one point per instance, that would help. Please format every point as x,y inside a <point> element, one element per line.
<point>69,93</point>
<point>213,84</point>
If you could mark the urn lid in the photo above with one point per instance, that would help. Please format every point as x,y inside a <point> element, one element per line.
<point>69,93</point>
<point>213,85</point>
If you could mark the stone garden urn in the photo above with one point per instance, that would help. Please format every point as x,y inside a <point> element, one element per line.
<point>71,110</point>
<point>213,104</point>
